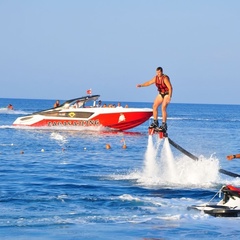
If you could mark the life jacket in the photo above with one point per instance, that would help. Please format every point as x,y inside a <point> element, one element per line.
<point>161,86</point>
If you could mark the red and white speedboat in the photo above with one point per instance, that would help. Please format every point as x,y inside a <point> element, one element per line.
<point>85,112</point>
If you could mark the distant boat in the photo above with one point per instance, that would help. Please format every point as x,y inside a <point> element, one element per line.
<point>84,112</point>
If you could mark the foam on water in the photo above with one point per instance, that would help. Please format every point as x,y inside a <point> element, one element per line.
<point>6,126</point>
<point>142,192</point>
<point>58,137</point>
<point>128,197</point>
<point>162,169</point>
<point>151,169</point>
<point>7,111</point>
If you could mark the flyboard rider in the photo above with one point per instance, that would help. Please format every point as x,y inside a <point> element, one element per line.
<point>165,90</point>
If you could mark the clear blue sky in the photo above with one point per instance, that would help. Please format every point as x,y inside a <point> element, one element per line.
<point>55,49</point>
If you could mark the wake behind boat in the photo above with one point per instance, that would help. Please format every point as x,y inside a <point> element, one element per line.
<point>85,112</point>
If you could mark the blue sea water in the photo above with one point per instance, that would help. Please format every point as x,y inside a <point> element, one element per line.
<point>64,184</point>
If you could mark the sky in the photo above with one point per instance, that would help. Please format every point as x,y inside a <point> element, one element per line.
<point>58,49</point>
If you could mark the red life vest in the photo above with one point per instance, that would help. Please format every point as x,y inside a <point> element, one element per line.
<point>161,86</point>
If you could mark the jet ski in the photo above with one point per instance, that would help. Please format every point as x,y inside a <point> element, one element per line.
<point>228,206</point>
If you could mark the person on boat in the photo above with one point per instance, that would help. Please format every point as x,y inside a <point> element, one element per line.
<point>56,104</point>
<point>165,90</point>
<point>10,107</point>
<point>230,157</point>
<point>119,105</point>
<point>99,103</point>
<point>77,104</point>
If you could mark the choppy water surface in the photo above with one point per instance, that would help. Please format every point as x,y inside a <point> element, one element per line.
<point>64,184</point>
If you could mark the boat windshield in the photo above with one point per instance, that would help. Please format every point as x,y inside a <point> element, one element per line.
<point>82,102</point>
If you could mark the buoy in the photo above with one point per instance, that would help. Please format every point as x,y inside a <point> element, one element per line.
<point>85,148</point>
<point>108,146</point>
<point>124,144</point>
<point>42,150</point>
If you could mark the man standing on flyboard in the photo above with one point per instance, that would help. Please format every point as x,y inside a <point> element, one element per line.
<point>165,90</point>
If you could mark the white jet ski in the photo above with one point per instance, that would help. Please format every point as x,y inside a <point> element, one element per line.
<point>228,206</point>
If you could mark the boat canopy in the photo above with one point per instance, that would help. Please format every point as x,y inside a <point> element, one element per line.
<point>80,101</point>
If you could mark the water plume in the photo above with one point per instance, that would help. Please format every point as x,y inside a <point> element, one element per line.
<point>162,168</point>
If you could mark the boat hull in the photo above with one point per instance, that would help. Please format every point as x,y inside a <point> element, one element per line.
<point>217,210</point>
<point>109,118</point>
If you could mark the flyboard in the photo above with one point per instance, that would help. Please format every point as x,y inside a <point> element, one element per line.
<point>163,134</point>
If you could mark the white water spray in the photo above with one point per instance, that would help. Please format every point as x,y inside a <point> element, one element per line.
<point>167,162</point>
<point>161,168</point>
<point>151,168</point>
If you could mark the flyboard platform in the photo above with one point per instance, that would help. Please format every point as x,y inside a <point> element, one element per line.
<point>163,134</point>
<point>160,132</point>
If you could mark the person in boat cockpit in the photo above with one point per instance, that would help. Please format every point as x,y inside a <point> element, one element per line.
<point>56,104</point>
<point>165,90</point>
<point>77,104</point>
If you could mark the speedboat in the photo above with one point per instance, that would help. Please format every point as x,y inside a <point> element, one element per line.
<point>228,206</point>
<point>85,112</point>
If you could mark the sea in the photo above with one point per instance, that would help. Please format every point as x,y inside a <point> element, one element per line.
<point>63,183</point>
